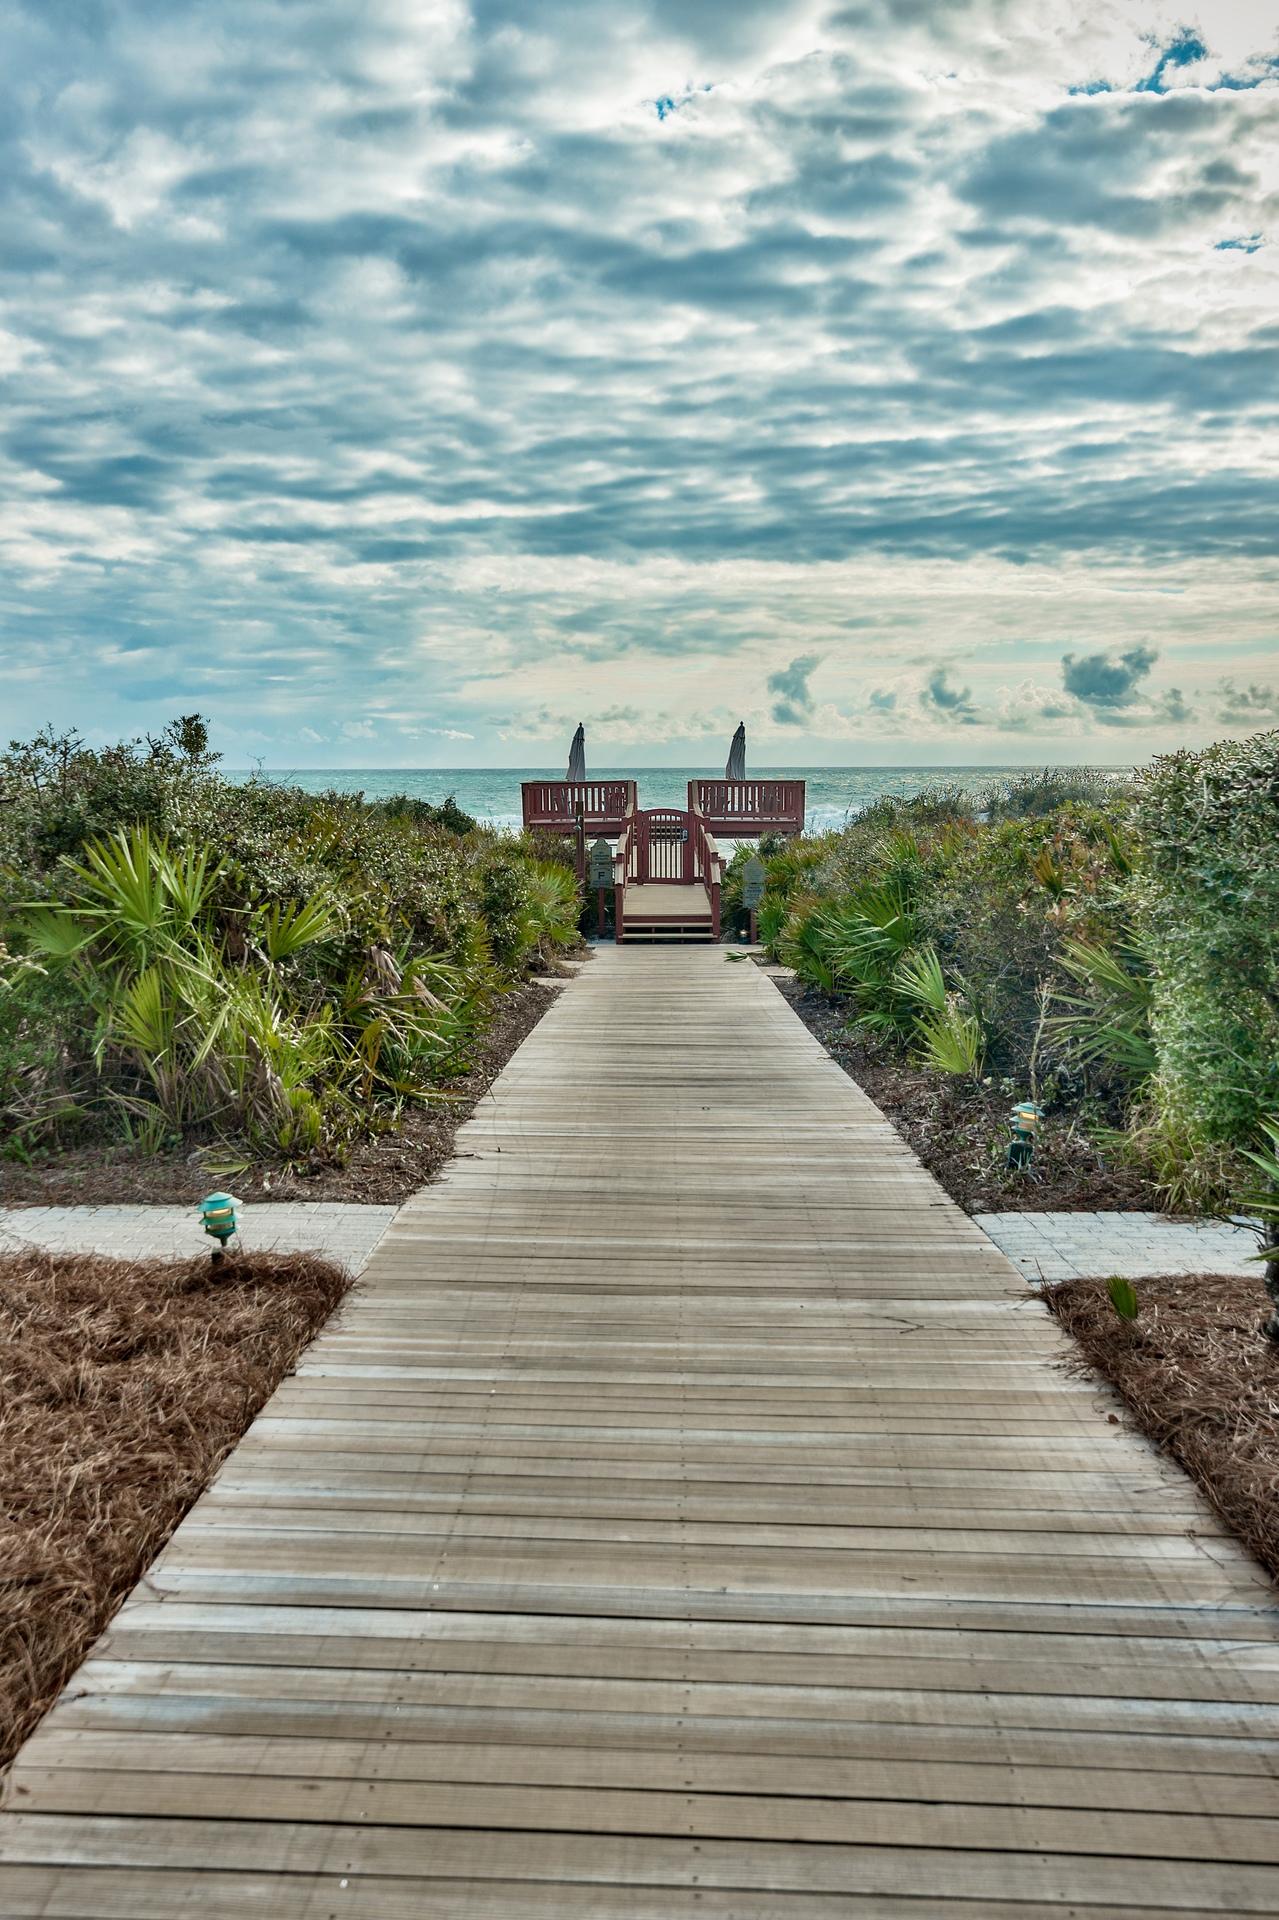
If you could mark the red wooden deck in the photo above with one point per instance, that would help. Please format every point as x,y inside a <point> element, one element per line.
<point>665,848</point>
<point>731,809</point>
<point>743,809</point>
<point>553,805</point>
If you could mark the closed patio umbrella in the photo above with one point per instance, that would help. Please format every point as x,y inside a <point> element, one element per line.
<point>577,756</point>
<point>736,768</point>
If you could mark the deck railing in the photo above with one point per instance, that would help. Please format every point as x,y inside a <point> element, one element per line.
<point>553,805</point>
<point>707,866</point>
<point>623,872</point>
<point>665,846</point>
<point>741,809</point>
<point>683,857</point>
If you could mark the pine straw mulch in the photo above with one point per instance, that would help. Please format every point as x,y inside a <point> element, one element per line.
<point>123,1385</point>
<point>1200,1379</point>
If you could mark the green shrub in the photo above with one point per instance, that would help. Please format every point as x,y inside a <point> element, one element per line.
<point>1108,1023</point>
<point>553,907</point>
<point>505,907</point>
<point>1208,909</point>
<point>41,1030</point>
<point>190,957</point>
<point>1036,795</point>
<point>1081,934</point>
<point>446,814</point>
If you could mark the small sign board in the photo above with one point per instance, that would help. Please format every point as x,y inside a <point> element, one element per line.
<point>600,872</point>
<point>753,877</point>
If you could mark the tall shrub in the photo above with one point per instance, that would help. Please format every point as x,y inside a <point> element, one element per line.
<point>1208,902</point>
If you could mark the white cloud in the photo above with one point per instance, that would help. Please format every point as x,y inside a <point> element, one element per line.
<point>408,361</point>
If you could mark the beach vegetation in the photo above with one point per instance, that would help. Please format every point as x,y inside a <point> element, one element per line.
<point>1108,946</point>
<point>191,963</point>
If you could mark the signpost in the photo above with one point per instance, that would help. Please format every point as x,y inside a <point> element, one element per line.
<point>753,877</point>
<point>600,876</point>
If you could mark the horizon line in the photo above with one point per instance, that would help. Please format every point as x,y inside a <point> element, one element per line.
<point>833,766</point>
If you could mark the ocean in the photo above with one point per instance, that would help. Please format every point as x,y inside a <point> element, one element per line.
<point>492,794</point>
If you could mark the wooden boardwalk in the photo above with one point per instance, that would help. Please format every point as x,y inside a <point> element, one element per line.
<point>689,1515</point>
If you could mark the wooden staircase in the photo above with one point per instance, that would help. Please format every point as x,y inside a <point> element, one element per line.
<point>667,877</point>
<point>666,911</point>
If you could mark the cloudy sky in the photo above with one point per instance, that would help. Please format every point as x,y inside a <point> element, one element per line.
<point>401,381</point>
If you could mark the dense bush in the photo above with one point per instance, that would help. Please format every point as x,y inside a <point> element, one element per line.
<point>1208,904</point>
<point>956,928</point>
<point>1078,935</point>
<point>426,813</point>
<point>186,958</point>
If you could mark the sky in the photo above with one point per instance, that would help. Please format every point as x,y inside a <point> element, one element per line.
<point>399,384</point>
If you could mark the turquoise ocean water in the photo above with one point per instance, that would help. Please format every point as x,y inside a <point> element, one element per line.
<point>492,794</point>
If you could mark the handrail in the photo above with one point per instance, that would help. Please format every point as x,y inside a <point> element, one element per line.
<point>555,804</point>
<point>746,808</point>
<point>623,854</point>
<point>707,866</point>
<point>702,862</point>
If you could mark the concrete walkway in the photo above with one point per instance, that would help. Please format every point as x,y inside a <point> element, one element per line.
<point>689,1515</point>
<point>1042,1246</point>
<point>345,1234</point>
<point>1071,1246</point>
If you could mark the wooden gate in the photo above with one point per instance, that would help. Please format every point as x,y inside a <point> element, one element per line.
<point>664,847</point>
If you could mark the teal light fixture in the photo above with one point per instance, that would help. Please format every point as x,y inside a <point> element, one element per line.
<point>217,1213</point>
<point>1023,1122</point>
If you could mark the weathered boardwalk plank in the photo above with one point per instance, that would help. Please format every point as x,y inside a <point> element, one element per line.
<point>690,1514</point>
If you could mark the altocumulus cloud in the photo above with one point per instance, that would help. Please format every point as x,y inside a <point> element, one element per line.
<point>1110,689</point>
<point>440,373</point>
<point>1107,680</point>
<point>794,702</point>
<point>941,696</point>
<point>1248,706</point>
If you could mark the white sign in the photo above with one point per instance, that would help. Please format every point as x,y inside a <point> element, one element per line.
<point>601,864</point>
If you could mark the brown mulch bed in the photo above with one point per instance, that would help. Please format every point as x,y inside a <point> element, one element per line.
<point>123,1384</point>
<point>382,1171</point>
<point>960,1131</point>
<point>1200,1379</point>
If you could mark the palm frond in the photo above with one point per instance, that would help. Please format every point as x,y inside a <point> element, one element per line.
<point>285,930</point>
<point>918,978</point>
<point>950,1042</point>
<point>1109,1023</point>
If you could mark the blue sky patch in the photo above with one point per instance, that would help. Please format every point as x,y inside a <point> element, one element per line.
<point>1183,50</point>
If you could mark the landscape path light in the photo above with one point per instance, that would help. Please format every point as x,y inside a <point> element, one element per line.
<point>1024,1124</point>
<point>217,1213</point>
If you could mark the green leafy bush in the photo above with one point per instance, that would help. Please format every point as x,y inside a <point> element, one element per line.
<point>1208,908</point>
<point>188,958</point>
<point>1090,938</point>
